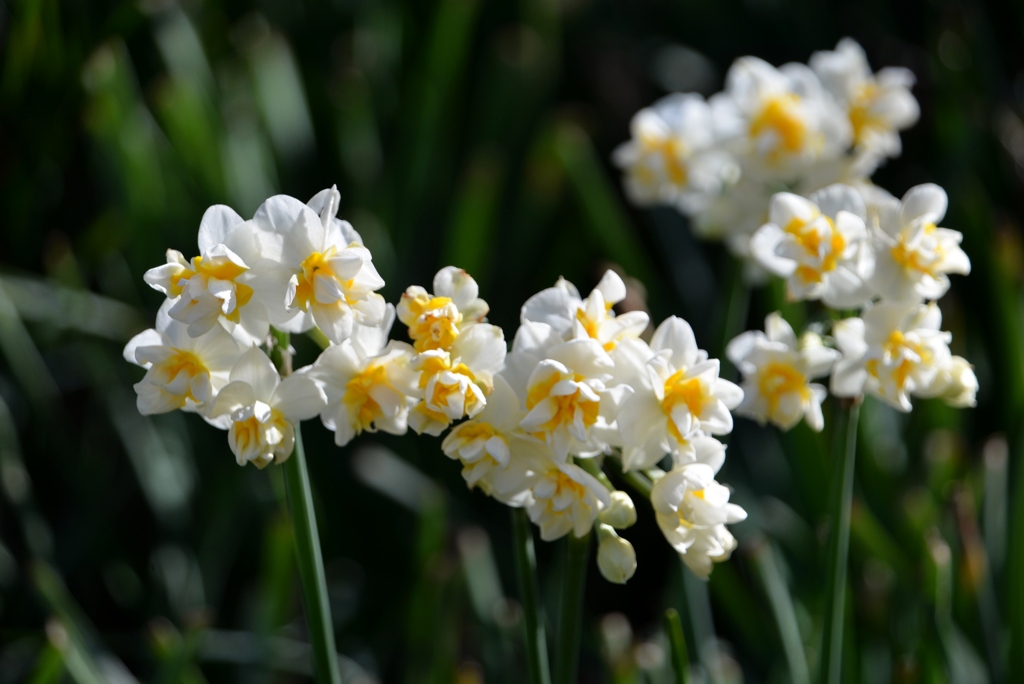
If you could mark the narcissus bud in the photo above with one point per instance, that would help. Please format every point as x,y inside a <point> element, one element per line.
<point>621,513</point>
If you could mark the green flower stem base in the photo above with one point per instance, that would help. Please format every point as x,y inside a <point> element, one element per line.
<point>574,576</point>
<point>529,596</point>
<point>845,453</point>
<point>307,542</point>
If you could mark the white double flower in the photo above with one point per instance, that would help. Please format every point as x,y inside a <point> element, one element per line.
<point>777,369</point>
<point>263,409</point>
<point>677,402</point>
<point>819,245</point>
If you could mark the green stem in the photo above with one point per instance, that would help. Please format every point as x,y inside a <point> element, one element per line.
<point>845,451</point>
<point>311,564</point>
<point>590,465</point>
<point>529,596</point>
<point>677,644</point>
<point>307,539</point>
<point>574,576</point>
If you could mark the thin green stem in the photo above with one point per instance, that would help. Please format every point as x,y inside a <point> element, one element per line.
<point>574,575</point>
<point>307,539</point>
<point>677,644</point>
<point>638,482</point>
<point>845,451</point>
<point>529,597</point>
<point>311,564</point>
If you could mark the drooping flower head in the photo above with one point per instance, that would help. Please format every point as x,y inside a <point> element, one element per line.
<point>693,510</point>
<point>565,498</point>
<point>263,409</point>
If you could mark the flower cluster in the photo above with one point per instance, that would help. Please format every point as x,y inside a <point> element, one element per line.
<point>801,141</point>
<point>530,427</point>
<point>797,127</point>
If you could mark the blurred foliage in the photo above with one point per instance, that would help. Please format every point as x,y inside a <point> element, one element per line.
<point>474,132</point>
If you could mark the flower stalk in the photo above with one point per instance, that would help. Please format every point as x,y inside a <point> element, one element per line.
<point>529,597</point>
<point>845,452</point>
<point>307,541</point>
<point>574,575</point>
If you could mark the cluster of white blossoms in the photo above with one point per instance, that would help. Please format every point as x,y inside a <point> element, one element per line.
<point>530,427</point>
<point>778,164</point>
<point>797,128</point>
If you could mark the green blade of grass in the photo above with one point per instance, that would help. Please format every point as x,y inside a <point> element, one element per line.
<point>677,646</point>
<point>782,608</point>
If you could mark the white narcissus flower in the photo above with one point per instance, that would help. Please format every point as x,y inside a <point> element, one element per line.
<point>368,381</point>
<point>263,409</point>
<point>679,400</point>
<point>182,372</point>
<point>564,387</point>
<point>878,106</point>
<point>894,350</point>
<point>329,277</point>
<point>777,369</point>
<point>819,245</point>
<point>224,281</point>
<point>435,320</point>
<point>673,157</point>
<point>455,384</point>
<point>565,498</point>
<point>693,510</point>
<point>915,256</point>
<point>572,317</point>
<point>783,119</point>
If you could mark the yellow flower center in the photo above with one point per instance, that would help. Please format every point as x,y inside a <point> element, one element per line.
<point>781,115</point>
<point>592,327</point>
<point>248,434</point>
<point>812,240</point>
<point>862,121</point>
<point>892,348</point>
<point>912,259</point>
<point>687,391</point>
<point>778,379</point>
<point>357,395</point>
<point>220,268</point>
<point>433,324</point>
<point>317,265</point>
<point>671,151</point>
<point>565,405</point>
<point>182,363</point>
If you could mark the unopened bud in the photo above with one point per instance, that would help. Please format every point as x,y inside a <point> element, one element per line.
<point>962,388</point>
<point>616,559</point>
<point>621,513</point>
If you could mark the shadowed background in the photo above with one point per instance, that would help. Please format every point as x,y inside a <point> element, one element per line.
<point>478,134</point>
